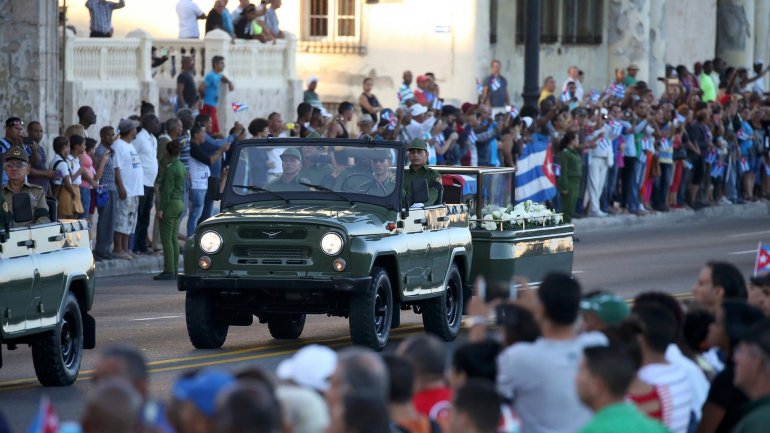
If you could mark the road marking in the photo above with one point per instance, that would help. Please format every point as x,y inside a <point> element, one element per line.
<point>144,319</point>
<point>741,235</point>
<point>577,272</point>
<point>224,357</point>
<point>737,253</point>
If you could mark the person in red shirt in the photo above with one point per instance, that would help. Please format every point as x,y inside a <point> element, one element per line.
<point>432,395</point>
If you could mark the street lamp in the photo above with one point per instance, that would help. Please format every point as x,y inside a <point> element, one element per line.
<point>531,53</point>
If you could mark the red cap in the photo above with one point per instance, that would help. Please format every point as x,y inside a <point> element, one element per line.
<point>421,78</point>
<point>724,99</point>
<point>467,106</point>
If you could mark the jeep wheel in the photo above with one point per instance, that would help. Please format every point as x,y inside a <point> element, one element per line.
<point>371,312</point>
<point>286,326</point>
<point>203,327</point>
<point>57,354</point>
<point>442,316</point>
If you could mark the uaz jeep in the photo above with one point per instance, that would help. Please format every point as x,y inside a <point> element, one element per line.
<point>46,290</point>
<point>333,234</point>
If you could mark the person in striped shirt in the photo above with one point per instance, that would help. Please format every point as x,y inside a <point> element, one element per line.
<point>405,92</point>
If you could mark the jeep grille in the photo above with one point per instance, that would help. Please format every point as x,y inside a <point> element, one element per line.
<point>269,233</point>
<point>271,252</point>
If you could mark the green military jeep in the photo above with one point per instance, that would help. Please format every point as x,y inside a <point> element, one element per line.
<point>332,234</point>
<point>46,290</point>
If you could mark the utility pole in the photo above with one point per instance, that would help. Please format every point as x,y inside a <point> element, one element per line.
<point>531,53</point>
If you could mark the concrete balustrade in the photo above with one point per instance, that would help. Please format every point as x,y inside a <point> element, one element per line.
<point>115,75</point>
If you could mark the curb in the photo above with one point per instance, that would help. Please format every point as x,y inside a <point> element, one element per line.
<point>154,264</point>
<point>674,216</point>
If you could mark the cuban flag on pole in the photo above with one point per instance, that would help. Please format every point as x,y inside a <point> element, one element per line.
<point>565,96</point>
<point>535,177</point>
<point>762,263</point>
<point>238,107</point>
<point>595,96</point>
<point>743,165</point>
<point>514,112</point>
<point>719,170</point>
<point>479,87</point>
<point>494,84</point>
<point>617,90</point>
<point>616,128</point>
<point>742,135</point>
<point>712,156</point>
<point>46,420</point>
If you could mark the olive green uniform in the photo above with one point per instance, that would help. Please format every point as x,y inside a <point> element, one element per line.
<point>37,197</point>
<point>569,181</point>
<point>316,173</point>
<point>429,175</point>
<point>292,185</point>
<point>171,190</point>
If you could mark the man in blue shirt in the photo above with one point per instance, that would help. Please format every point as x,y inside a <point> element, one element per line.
<point>209,90</point>
<point>101,16</point>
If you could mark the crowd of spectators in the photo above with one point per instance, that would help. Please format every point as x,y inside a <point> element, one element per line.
<point>554,360</point>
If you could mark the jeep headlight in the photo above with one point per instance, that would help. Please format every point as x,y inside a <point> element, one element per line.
<point>211,242</point>
<point>331,243</point>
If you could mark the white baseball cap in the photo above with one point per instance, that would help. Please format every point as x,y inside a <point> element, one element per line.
<point>418,109</point>
<point>310,367</point>
<point>527,121</point>
<point>311,79</point>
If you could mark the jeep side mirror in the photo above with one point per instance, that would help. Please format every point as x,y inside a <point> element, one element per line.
<point>212,191</point>
<point>419,191</point>
<point>22,208</point>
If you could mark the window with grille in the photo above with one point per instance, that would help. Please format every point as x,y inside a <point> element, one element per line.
<point>332,21</point>
<point>581,21</point>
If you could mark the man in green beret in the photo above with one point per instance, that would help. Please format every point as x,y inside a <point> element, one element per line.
<point>418,169</point>
<point>291,161</point>
<point>16,165</point>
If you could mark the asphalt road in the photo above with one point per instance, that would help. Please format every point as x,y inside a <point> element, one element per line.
<point>150,315</point>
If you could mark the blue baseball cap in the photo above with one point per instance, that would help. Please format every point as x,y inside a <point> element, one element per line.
<point>203,389</point>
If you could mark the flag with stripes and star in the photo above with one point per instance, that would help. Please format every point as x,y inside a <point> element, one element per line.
<point>762,263</point>
<point>238,107</point>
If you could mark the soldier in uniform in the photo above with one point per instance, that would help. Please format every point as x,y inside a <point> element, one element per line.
<point>291,161</point>
<point>382,174</point>
<point>16,165</point>
<point>418,169</point>
<point>171,208</point>
<point>317,173</point>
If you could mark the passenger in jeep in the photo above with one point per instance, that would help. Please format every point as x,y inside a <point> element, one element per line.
<point>16,166</point>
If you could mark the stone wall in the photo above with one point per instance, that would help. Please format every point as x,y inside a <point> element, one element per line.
<point>30,72</point>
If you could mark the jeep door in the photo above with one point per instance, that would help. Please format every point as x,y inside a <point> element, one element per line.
<point>16,281</point>
<point>438,245</point>
<point>50,260</point>
<point>417,240</point>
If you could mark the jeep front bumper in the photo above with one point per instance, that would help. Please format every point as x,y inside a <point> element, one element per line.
<point>289,285</point>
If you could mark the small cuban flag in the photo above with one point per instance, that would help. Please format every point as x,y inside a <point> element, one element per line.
<point>712,156</point>
<point>604,143</point>
<point>616,127</point>
<point>494,84</point>
<point>479,87</point>
<point>719,170</point>
<point>46,420</point>
<point>617,91</point>
<point>762,263</point>
<point>743,165</point>
<point>514,112</point>
<point>742,135</point>
<point>679,119</point>
<point>565,96</point>
<point>238,107</point>
<point>595,96</point>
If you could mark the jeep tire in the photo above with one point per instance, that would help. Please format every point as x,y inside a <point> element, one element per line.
<point>57,354</point>
<point>286,326</point>
<point>205,330</point>
<point>371,312</point>
<point>442,315</point>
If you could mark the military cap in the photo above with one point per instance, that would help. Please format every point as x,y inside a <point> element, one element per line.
<point>17,152</point>
<point>293,152</point>
<point>418,143</point>
<point>314,134</point>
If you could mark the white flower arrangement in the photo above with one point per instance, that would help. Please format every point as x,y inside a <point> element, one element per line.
<point>527,214</point>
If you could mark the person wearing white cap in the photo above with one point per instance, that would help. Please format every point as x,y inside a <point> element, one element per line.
<point>422,122</point>
<point>311,367</point>
<point>128,178</point>
<point>310,96</point>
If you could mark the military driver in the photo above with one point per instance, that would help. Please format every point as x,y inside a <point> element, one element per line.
<point>16,166</point>
<point>418,169</point>
<point>291,161</point>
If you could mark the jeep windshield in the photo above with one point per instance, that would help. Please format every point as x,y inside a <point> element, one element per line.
<point>315,169</point>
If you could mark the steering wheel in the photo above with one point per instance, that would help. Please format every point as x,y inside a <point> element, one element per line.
<point>369,180</point>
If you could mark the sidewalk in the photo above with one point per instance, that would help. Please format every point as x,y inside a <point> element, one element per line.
<point>154,264</point>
